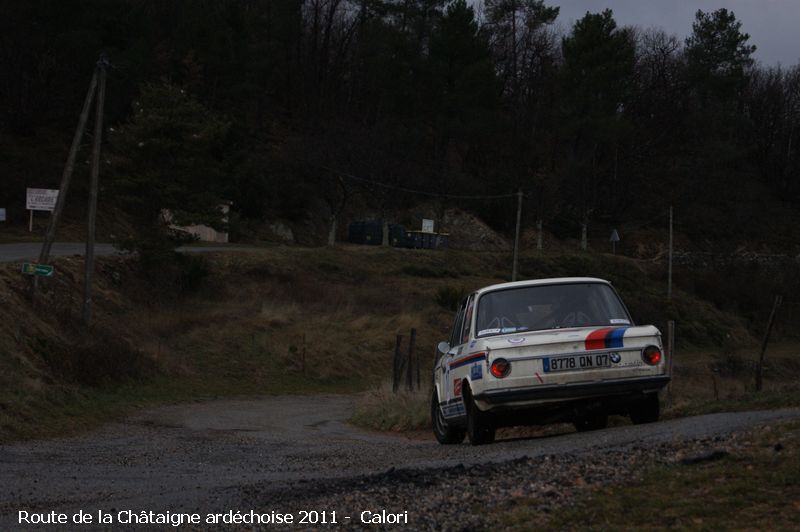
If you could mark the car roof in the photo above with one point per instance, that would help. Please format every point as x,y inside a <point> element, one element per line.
<point>539,282</point>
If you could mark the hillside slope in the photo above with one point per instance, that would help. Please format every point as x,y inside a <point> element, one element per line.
<point>264,321</point>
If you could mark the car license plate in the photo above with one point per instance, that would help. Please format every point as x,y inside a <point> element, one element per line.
<point>576,362</point>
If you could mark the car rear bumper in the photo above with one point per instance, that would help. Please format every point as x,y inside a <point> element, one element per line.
<point>532,394</point>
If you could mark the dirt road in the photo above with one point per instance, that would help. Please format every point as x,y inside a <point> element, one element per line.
<point>285,452</point>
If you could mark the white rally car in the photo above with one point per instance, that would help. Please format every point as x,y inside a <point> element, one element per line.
<point>544,351</point>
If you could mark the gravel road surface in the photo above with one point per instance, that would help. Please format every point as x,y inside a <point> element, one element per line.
<point>292,453</point>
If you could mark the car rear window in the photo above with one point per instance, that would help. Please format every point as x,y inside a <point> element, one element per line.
<point>535,308</point>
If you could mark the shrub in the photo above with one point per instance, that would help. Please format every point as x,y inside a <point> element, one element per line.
<point>449,297</point>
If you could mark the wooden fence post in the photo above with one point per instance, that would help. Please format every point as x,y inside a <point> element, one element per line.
<point>409,374</point>
<point>396,364</point>
<point>419,383</point>
<point>671,351</point>
<point>760,368</point>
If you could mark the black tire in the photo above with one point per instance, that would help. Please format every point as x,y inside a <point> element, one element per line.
<point>591,422</point>
<point>445,434</point>
<point>480,428</point>
<point>646,410</point>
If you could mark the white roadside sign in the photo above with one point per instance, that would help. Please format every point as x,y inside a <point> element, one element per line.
<point>41,199</point>
<point>2,215</point>
<point>427,226</point>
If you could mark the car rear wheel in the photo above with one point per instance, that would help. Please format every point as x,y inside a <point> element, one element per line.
<point>591,422</point>
<point>480,428</point>
<point>445,434</point>
<point>646,410</point>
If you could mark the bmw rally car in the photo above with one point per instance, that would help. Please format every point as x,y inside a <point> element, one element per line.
<point>544,351</point>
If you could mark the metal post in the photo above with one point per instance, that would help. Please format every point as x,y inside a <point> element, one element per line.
<point>67,175</point>
<point>332,232</point>
<point>760,368</point>
<point>669,260</point>
<point>90,235</point>
<point>30,222</point>
<point>516,236</point>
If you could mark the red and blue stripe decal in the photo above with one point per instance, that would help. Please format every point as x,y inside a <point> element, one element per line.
<point>607,338</point>
<point>467,360</point>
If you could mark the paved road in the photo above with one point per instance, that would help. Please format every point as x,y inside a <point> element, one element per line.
<point>30,250</point>
<point>203,456</point>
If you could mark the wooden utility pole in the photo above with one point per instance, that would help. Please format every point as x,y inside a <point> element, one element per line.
<point>66,177</point>
<point>86,315</point>
<point>516,236</point>
<point>760,368</point>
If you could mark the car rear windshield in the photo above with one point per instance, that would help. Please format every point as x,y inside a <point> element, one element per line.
<point>554,306</point>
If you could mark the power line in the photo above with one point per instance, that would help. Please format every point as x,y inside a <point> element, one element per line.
<point>412,191</point>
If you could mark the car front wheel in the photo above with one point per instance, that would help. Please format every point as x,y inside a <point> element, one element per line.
<point>445,434</point>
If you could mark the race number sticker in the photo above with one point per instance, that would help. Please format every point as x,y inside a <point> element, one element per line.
<point>457,387</point>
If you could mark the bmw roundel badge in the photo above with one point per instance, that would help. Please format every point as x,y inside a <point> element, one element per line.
<point>615,358</point>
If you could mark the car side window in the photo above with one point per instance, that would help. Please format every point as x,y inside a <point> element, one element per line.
<point>467,320</point>
<point>456,330</point>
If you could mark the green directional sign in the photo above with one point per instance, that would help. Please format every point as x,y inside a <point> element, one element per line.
<point>43,270</point>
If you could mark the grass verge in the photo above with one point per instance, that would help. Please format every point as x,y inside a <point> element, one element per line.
<point>753,488</point>
<point>767,400</point>
<point>382,409</point>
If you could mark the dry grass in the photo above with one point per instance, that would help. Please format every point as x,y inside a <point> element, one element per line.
<point>404,411</point>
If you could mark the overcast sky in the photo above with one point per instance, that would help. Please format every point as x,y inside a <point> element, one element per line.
<point>773,25</point>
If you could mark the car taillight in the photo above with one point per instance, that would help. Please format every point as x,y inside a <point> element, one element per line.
<point>500,368</point>
<point>651,355</point>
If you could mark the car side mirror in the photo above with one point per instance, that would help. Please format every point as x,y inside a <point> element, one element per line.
<point>443,348</point>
